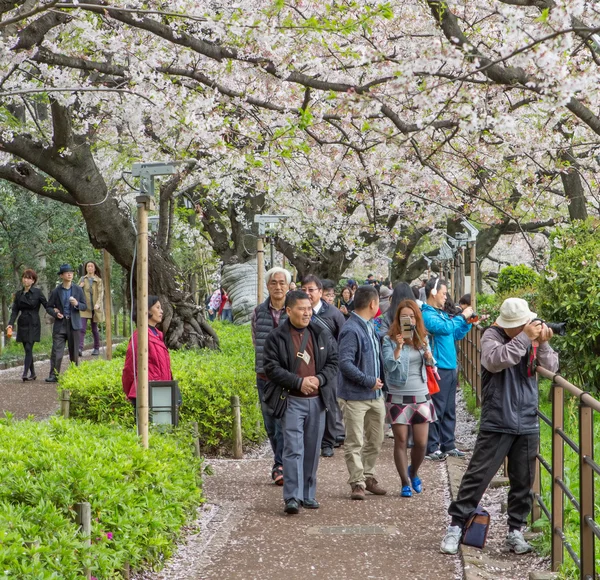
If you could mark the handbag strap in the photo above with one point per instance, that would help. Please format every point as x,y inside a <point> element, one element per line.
<point>302,349</point>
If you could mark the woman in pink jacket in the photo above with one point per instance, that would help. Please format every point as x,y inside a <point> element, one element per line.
<point>159,362</point>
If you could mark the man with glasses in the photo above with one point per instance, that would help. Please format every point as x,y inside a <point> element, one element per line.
<point>267,316</point>
<point>330,318</point>
<point>328,291</point>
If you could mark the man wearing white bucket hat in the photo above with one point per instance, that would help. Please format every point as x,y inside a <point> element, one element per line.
<point>509,424</point>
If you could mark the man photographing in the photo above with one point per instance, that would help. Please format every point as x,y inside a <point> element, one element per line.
<point>509,424</point>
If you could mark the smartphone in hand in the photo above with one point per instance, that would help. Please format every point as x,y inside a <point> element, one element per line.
<point>407,327</point>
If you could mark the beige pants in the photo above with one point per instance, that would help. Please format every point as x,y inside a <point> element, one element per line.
<point>364,436</point>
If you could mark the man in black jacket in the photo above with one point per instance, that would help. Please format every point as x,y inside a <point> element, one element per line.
<point>64,304</point>
<point>330,318</point>
<point>301,357</point>
<point>509,425</point>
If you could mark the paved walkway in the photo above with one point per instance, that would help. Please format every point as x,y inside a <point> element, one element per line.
<point>385,537</point>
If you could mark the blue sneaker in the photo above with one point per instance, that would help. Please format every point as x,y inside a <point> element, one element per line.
<point>406,492</point>
<point>416,482</point>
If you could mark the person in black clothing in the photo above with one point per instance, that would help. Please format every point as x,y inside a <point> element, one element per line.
<point>306,366</point>
<point>331,319</point>
<point>509,426</point>
<point>27,308</point>
<point>64,304</point>
<point>346,302</point>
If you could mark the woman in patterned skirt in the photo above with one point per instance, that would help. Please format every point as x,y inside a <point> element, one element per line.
<point>406,353</point>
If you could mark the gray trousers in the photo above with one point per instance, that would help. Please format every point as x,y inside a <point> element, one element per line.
<point>62,332</point>
<point>302,425</point>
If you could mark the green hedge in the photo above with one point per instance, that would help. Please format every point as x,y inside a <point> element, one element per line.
<point>207,380</point>
<point>519,277</point>
<point>140,499</point>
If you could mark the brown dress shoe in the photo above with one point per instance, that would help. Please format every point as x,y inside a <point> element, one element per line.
<point>357,492</point>
<point>372,486</point>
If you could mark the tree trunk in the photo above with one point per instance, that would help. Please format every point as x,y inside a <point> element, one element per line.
<point>79,182</point>
<point>571,180</point>
<point>239,281</point>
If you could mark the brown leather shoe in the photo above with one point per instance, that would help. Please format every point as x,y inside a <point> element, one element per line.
<point>357,492</point>
<point>372,486</point>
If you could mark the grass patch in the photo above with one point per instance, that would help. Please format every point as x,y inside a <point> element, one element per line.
<point>140,499</point>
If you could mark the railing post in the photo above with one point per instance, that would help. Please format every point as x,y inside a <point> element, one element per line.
<point>586,489</point>
<point>536,510</point>
<point>478,367</point>
<point>238,452</point>
<point>558,467</point>
<point>65,403</point>
<point>83,518</point>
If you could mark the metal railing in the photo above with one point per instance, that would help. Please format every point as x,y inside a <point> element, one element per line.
<point>469,352</point>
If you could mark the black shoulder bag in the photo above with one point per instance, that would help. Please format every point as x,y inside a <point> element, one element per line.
<point>276,396</point>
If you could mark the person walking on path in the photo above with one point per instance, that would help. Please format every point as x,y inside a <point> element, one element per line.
<point>331,319</point>
<point>159,361</point>
<point>93,288</point>
<point>267,316</point>
<point>225,309</point>
<point>408,401</point>
<point>444,330</point>
<point>301,357</point>
<point>26,307</point>
<point>64,304</point>
<point>360,393</point>
<point>509,425</point>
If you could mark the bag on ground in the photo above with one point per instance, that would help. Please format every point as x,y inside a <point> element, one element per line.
<point>476,529</point>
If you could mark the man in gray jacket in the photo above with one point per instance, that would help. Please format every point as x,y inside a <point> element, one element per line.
<point>509,424</point>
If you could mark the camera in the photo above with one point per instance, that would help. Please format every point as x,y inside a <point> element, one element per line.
<point>558,328</point>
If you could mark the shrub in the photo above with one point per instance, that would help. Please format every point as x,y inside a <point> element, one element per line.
<point>140,498</point>
<point>513,278</point>
<point>207,380</point>
<point>570,291</point>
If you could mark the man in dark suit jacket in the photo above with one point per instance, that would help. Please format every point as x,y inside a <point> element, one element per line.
<point>64,304</point>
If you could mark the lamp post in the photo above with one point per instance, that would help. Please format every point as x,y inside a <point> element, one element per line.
<point>146,172</point>
<point>265,222</point>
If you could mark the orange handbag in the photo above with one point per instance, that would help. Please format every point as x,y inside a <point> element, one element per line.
<point>432,383</point>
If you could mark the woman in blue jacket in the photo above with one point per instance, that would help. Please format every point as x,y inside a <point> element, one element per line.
<point>408,401</point>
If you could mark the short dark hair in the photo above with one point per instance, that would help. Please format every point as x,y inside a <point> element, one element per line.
<point>466,299</point>
<point>436,283</point>
<point>29,273</point>
<point>364,295</point>
<point>294,296</point>
<point>312,278</point>
<point>328,284</point>
<point>415,289</point>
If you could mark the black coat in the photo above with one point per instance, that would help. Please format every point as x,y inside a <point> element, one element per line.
<point>27,308</point>
<point>280,355</point>
<point>54,301</point>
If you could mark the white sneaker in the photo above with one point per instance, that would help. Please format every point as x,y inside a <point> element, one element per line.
<point>436,456</point>
<point>451,540</point>
<point>516,543</point>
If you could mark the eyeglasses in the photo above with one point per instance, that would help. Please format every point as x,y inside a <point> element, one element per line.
<point>328,293</point>
<point>310,290</point>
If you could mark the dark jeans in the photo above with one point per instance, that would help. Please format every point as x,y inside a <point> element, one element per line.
<point>62,332</point>
<point>28,363</point>
<point>332,425</point>
<point>95,333</point>
<point>490,450</point>
<point>441,432</point>
<point>227,315</point>
<point>272,426</point>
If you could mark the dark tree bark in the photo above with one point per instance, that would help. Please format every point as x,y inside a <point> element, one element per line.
<point>573,186</point>
<point>77,180</point>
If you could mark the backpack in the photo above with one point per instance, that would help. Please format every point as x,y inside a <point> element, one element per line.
<point>476,529</point>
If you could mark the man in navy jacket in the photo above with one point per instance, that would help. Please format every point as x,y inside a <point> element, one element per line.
<point>64,304</point>
<point>360,393</point>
